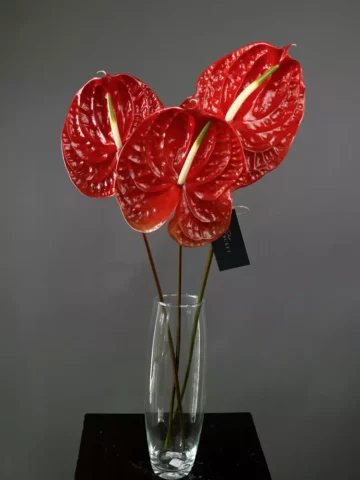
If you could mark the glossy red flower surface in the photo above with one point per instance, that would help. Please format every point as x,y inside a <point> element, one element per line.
<point>88,144</point>
<point>149,166</point>
<point>268,119</point>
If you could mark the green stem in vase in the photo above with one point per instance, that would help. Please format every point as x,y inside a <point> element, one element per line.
<point>177,387</point>
<point>153,268</point>
<point>167,443</point>
<point>195,325</point>
<point>178,331</point>
<point>171,343</point>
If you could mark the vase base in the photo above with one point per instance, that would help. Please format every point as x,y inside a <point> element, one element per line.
<point>173,465</point>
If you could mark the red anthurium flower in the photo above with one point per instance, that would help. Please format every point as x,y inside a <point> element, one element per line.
<point>101,117</point>
<point>259,90</point>
<point>177,160</point>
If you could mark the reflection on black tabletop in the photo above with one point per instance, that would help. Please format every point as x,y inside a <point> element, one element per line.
<point>113,446</point>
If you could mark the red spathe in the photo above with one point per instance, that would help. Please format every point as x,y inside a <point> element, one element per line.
<point>149,167</point>
<point>88,146</point>
<point>269,118</point>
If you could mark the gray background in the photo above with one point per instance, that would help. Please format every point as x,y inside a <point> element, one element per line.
<point>283,334</point>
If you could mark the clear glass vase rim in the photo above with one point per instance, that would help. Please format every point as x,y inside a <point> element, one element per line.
<point>195,303</point>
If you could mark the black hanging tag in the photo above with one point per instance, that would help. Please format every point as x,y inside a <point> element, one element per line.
<point>230,250</point>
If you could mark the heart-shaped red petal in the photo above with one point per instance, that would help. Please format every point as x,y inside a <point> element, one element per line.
<point>268,119</point>
<point>219,85</point>
<point>88,145</point>
<point>149,167</point>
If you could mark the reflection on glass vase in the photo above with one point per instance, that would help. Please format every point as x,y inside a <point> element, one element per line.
<point>175,384</point>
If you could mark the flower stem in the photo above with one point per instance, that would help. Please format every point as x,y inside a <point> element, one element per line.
<point>153,268</point>
<point>195,325</point>
<point>171,343</point>
<point>167,443</point>
<point>177,387</point>
<point>178,332</point>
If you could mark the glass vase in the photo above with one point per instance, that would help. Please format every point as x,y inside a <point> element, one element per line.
<point>175,384</point>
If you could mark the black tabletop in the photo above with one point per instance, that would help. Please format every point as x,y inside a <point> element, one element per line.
<point>113,446</point>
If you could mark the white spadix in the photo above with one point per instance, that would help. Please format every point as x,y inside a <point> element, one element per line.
<point>191,155</point>
<point>113,122</point>
<point>240,99</point>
